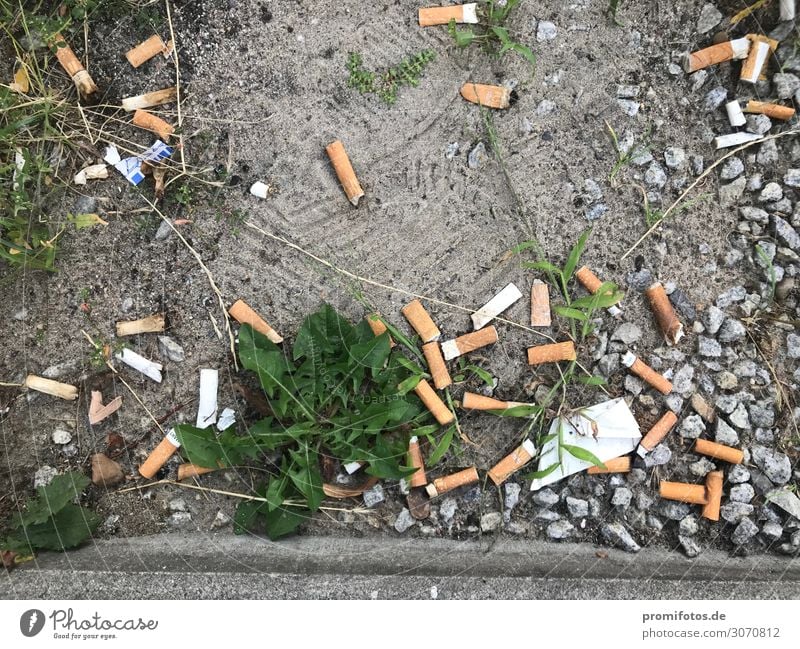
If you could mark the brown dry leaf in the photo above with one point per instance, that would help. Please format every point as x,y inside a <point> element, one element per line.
<point>22,82</point>
<point>159,173</point>
<point>418,504</point>
<point>744,13</point>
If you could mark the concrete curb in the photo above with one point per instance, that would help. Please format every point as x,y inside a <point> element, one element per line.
<point>217,566</point>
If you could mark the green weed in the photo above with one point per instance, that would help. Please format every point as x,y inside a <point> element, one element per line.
<point>386,84</point>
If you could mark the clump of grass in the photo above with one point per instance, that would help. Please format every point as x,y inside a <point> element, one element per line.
<point>386,84</point>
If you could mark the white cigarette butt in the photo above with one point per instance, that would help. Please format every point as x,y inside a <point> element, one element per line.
<point>207,407</point>
<point>470,13</point>
<point>494,307</point>
<point>259,189</point>
<point>735,139</point>
<point>735,114</point>
<point>149,368</point>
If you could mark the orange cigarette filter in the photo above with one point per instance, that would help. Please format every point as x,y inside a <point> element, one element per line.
<point>713,495</point>
<point>694,494</point>
<point>344,171</point>
<point>469,342</point>
<point>73,67</point>
<point>51,387</point>
<point>484,95</point>
<point>512,462</point>
<point>418,479</point>
<point>657,433</point>
<point>588,279</point>
<point>159,456</point>
<point>735,49</point>
<point>540,305</point>
<point>146,50</point>
<point>552,353</point>
<point>148,121</point>
<point>617,465</point>
<point>646,373</point>
<point>192,471</point>
<point>453,481</point>
<point>421,321</point>
<point>665,315</point>
<point>719,451</point>
<point>775,111</point>
<point>472,401</point>
<point>756,60</point>
<point>429,16</point>
<point>244,314</point>
<point>436,364</point>
<point>376,324</point>
<point>433,403</point>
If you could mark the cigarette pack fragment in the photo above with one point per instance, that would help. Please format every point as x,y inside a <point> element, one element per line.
<point>51,387</point>
<point>787,10</point>
<point>378,327</point>
<point>97,411</point>
<point>615,465</point>
<point>540,304</point>
<point>713,495</point>
<point>552,353</point>
<point>727,51</point>
<point>207,405</point>
<point>735,139</point>
<point>146,50</point>
<point>453,481</point>
<point>756,58</point>
<point>244,314</point>
<point>512,462</point>
<point>159,455</point>
<point>466,13</point>
<point>694,494</point>
<point>150,369</point>
<point>485,95</point>
<point>592,283</point>
<point>418,478</point>
<point>436,365</point>
<point>227,418</point>
<point>657,433</point>
<point>735,115</point>
<point>433,403</point>
<point>150,99</point>
<point>775,111</point>
<point>494,307</point>
<point>666,317</point>
<point>646,373</point>
<point>469,343</point>
<point>146,120</point>
<point>151,324</point>
<point>131,167</point>
<point>719,451</point>
<point>73,67</point>
<point>472,401</point>
<point>421,321</point>
<point>344,171</point>
<point>92,172</point>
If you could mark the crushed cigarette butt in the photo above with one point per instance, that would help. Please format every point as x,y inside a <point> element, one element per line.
<point>494,307</point>
<point>485,95</point>
<point>466,13</point>
<point>657,433</point>
<point>667,319</point>
<point>73,67</point>
<point>694,494</point>
<point>735,139</point>
<point>159,455</point>
<point>92,172</point>
<point>421,321</point>
<point>512,462</point>
<point>51,387</point>
<point>339,491</point>
<point>418,478</point>
<point>344,171</point>
<point>719,451</point>
<point>713,495</point>
<point>469,343</point>
<point>151,324</point>
<point>150,99</point>
<point>727,51</point>
<point>453,481</point>
<point>244,314</point>
<point>703,408</point>
<point>146,50</point>
<point>540,304</point>
<point>756,58</point>
<point>436,365</point>
<point>189,470</point>
<point>552,353</point>
<point>207,404</point>
<point>433,403</point>
<point>97,411</point>
<point>259,189</point>
<point>646,373</point>
<point>150,122</point>
<point>149,368</point>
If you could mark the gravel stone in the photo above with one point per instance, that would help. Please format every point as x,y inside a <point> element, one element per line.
<point>692,427</point>
<point>61,436</point>
<point>683,304</point>
<point>44,476</point>
<point>731,296</point>
<point>452,149</point>
<point>616,535</point>
<point>639,280</point>
<point>708,347</point>
<point>786,233</point>
<point>727,381</point>
<point>738,474</point>
<point>768,154</point>
<point>742,493</point>
<point>655,176</point>
<point>715,98</point>
<point>702,467</point>
<point>629,107</point>
<point>713,317</point>
<point>682,381</point>
<point>675,158</point>
<point>772,531</point>
<point>546,31</point>
<point>622,497</point>
<point>627,333</point>
<point>560,530</point>
<point>659,456</point>
<point>709,18</point>
<point>775,465</point>
<point>545,497</point>
<point>754,214</point>
<point>731,331</point>
<point>170,349</point>
<point>448,509</point>
<point>373,496</point>
<point>762,414</point>
<point>512,493</point>
<point>477,156</point>
<point>785,84</point>
<point>759,124</point>
<point>596,211</point>
<point>179,519</point>
<point>744,531</point>
<point>733,511</point>
<point>688,526</point>
<point>404,521</point>
<point>545,107</point>
<point>577,507</point>
<point>739,417</point>
<point>732,168</point>
<point>491,521</point>
<point>546,515</point>
<point>793,346</point>
<point>690,546</point>
<point>731,194</point>
<point>673,510</point>
<point>792,178</point>
<point>771,192</point>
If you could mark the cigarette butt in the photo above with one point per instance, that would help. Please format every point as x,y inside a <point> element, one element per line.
<point>761,38</point>
<point>494,307</point>
<point>339,491</point>
<point>151,324</point>
<point>418,479</point>
<point>540,304</point>
<point>344,171</point>
<point>159,456</point>
<point>436,364</point>
<point>192,471</point>
<point>713,495</point>
<point>592,283</point>
<point>150,99</point>
<point>512,462</point>
<point>735,115</point>
<point>472,401</point>
<point>54,388</point>
<point>469,342</point>
<point>617,465</point>
<point>484,95</point>
<point>429,16</point>
<point>73,67</point>
<point>666,317</point>
<point>421,321</point>
<point>453,481</point>
<point>719,451</point>
<point>433,403</point>
<point>97,411</point>
<point>147,367</point>
<point>735,139</point>
<point>787,10</point>
<point>148,121</point>
<point>552,353</point>
<point>751,69</point>
<point>207,403</point>
<point>244,314</point>
<point>727,51</point>
<point>646,373</point>
<point>146,50</point>
<point>378,327</point>
<point>775,111</point>
<point>92,172</point>
<point>657,433</point>
<point>694,494</point>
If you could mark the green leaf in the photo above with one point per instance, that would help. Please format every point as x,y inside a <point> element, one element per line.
<point>304,474</point>
<point>284,520</point>
<point>51,498</point>
<point>592,380</point>
<point>482,374</point>
<point>524,51</point>
<point>245,518</point>
<point>525,245</point>
<point>583,454</point>
<point>519,411</point>
<point>598,300</point>
<point>502,35</point>
<point>67,528</point>
<point>569,312</point>
<point>462,37</point>
<point>385,458</point>
<point>538,475</point>
<point>575,255</point>
<point>371,354</point>
<point>201,446</point>
<point>81,221</point>
<point>545,266</point>
<point>441,447</point>
<point>276,489</point>
<point>407,385</point>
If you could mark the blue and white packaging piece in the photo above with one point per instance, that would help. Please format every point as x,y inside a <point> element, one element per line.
<point>131,167</point>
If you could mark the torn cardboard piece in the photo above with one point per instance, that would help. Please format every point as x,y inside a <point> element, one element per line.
<point>540,304</point>
<point>92,172</point>
<point>97,411</point>
<point>207,404</point>
<point>607,430</point>
<point>131,167</point>
<point>151,324</point>
<point>494,307</point>
<point>51,387</point>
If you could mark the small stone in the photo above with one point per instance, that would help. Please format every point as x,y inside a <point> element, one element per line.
<point>179,519</point>
<point>696,164</point>
<point>20,315</point>
<point>111,524</point>
<point>639,280</point>
<point>744,531</point>
<point>786,500</point>
<point>702,467</point>
<point>177,505</point>
<point>44,476</point>
<point>633,385</point>
<point>754,214</point>
<point>596,211</point>
<point>545,497</point>
<point>682,381</point>
<point>709,18</point>
<point>771,192</point>
<point>692,427</point>
<point>742,493</point>
<point>127,305</point>
<point>616,535</point>
<point>793,346</point>
<point>512,492</point>
<point>546,515</point>
<point>525,127</point>
<point>404,521</point>
<point>775,465</point>
<point>627,92</point>
<point>491,521</point>
<point>221,520</point>
<point>643,501</point>
<point>758,124</point>
<point>61,436</point>
<point>792,178</point>
<point>675,158</point>
<point>560,530</point>
<point>546,31</point>
<point>772,531</point>
<point>690,546</point>
<point>106,472</point>
<point>640,157</point>
<point>592,192</point>
<point>740,418</point>
<point>659,456</point>
<point>732,330</point>
<point>170,349</point>
<point>733,168</point>
<point>545,107</point>
<point>768,154</point>
<point>448,509</point>
<point>373,496</point>
<point>629,107</point>
<point>688,526</point>
<point>733,511</point>
<point>477,156</point>
<point>452,149</point>
<point>785,84</point>
<point>786,233</point>
<point>708,347</point>
<point>738,474</point>
<point>577,507</point>
<point>730,194</point>
<point>731,296</point>
<point>727,381</point>
<point>609,364</point>
<point>755,182</point>
<point>714,99</point>
<point>164,231</point>
<point>627,333</point>
<point>761,414</point>
<point>655,176</point>
<point>622,497</point>
<point>673,510</point>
